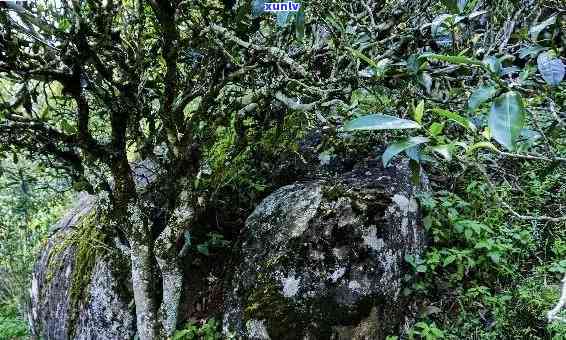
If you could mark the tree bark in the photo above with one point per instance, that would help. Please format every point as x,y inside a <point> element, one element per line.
<point>166,256</point>
<point>143,264</point>
<point>146,316</point>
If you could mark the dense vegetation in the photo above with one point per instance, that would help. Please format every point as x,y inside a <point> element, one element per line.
<point>219,96</point>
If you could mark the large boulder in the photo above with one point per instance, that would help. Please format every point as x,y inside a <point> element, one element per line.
<point>325,259</point>
<point>80,282</point>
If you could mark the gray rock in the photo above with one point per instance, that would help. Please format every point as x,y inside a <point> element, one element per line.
<point>325,259</point>
<point>100,311</point>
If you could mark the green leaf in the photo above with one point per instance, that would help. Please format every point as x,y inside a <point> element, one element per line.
<point>493,64</point>
<point>300,23</point>
<point>414,63</point>
<point>439,27</point>
<point>535,31</point>
<point>67,127</point>
<point>453,116</point>
<point>452,59</point>
<point>484,145</point>
<point>436,128</point>
<point>494,256</point>
<point>414,153</point>
<point>419,112</point>
<point>551,68</point>
<point>480,96</point>
<point>531,51</point>
<point>526,73</point>
<point>380,122</point>
<point>64,24</point>
<point>462,5</point>
<point>400,146</point>
<point>448,260</point>
<point>379,68</point>
<point>362,56</point>
<point>203,249</point>
<point>506,119</point>
<point>444,150</point>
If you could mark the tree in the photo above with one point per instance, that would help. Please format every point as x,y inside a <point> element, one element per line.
<point>93,86</point>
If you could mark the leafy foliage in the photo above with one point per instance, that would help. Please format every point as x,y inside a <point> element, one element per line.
<point>209,330</point>
<point>31,200</point>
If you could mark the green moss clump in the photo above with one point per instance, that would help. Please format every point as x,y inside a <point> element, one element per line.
<point>89,242</point>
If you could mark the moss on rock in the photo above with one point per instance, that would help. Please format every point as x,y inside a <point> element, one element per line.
<point>86,242</point>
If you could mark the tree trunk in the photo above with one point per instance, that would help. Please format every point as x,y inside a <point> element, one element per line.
<point>166,256</point>
<point>172,282</point>
<point>142,264</point>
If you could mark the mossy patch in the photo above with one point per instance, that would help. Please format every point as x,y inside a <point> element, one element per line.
<point>88,241</point>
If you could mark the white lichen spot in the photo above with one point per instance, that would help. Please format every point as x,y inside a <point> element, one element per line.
<point>371,240</point>
<point>34,288</point>
<point>389,262</point>
<point>257,330</point>
<point>337,274</point>
<point>292,207</point>
<point>354,286</point>
<point>404,225</point>
<point>402,202</point>
<point>413,205</point>
<point>68,271</point>
<point>305,209</point>
<point>182,214</point>
<point>317,255</point>
<point>135,215</point>
<point>290,286</point>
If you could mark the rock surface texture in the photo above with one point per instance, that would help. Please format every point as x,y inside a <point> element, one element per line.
<point>60,309</point>
<point>325,259</point>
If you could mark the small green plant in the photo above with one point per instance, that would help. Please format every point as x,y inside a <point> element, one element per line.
<point>12,325</point>
<point>209,330</point>
<point>425,331</point>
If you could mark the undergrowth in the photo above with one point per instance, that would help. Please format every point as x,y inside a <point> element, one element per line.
<point>487,275</point>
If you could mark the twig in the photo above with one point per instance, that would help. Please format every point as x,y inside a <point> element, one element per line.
<point>531,157</point>
<point>274,52</point>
